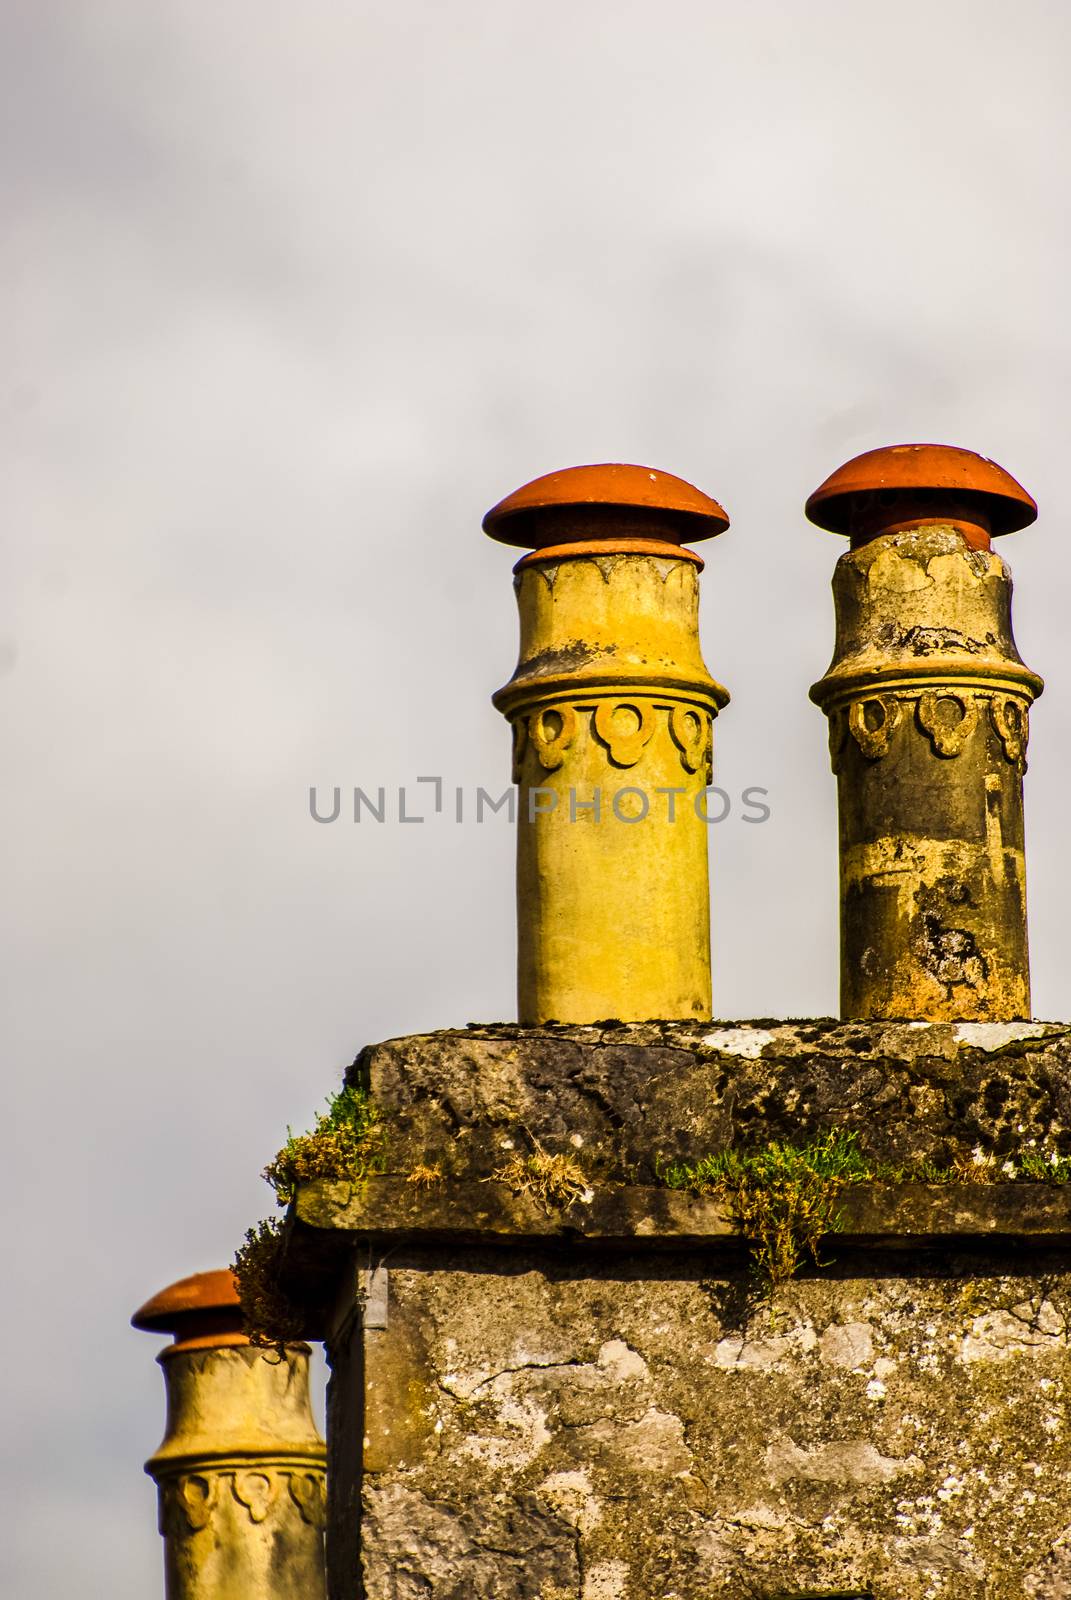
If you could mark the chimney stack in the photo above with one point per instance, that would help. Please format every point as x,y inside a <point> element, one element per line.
<point>611,708</point>
<point>240,1472</point>
<point>928,705</point>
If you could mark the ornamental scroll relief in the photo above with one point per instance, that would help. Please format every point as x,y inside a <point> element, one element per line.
<point>623,728</point>
<point>187,1503</point>
<point>1011,719</point>
<point>947,717</point>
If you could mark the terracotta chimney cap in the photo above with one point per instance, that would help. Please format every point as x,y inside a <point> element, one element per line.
<point>202,1311</point>
<point>915,469</point>
<point>667,507</point>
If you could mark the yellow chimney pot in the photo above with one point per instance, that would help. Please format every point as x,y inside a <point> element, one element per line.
<point>611,708</point>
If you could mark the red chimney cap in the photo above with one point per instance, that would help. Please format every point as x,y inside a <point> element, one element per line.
<point>202,1311</point>
<point>914,469</point>
<point>673,508</point>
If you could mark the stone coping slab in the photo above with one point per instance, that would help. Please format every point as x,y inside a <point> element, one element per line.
<point>627,1098</point>
<point>385,1210</point>
<point>333,1224</point>
<point>624,1100</point>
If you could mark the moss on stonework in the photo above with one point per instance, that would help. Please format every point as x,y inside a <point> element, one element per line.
<point>911,1093</point>
<point>783,1197</point>
<point>349,1142</point>
<point>270,1319</point>
<point>783,1194</point>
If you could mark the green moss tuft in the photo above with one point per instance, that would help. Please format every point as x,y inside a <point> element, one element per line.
<point>349,1142</point>
<point>783,1197</point>
<point>1035,1166</point>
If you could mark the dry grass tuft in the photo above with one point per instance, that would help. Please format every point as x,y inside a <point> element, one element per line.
<point>554,1181</point>
<point>425,1177</point>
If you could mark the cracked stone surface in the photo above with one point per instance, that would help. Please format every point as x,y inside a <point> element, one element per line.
<point>548,1422</point>
<point>587,1432</point>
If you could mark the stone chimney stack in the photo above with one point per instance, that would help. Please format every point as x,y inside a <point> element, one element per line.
<point>241,1469</point>
<point>611,707</point>
<point>928,705</point>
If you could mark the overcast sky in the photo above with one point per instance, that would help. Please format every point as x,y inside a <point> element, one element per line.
<point>293,294</point>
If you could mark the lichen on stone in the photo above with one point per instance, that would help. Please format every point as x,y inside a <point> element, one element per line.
<point>563,1410</point>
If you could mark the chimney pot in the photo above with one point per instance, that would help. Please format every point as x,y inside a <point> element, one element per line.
<point>611,708</point>
<point>240,1473</point>
<point>928,704</point>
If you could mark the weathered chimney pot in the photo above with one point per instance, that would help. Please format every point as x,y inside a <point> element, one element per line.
<point>241,1470</point>
<point>928,703</point>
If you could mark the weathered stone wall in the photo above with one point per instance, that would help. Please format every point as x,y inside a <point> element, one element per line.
<point>594,1404</point>
<point>545,1427</point>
